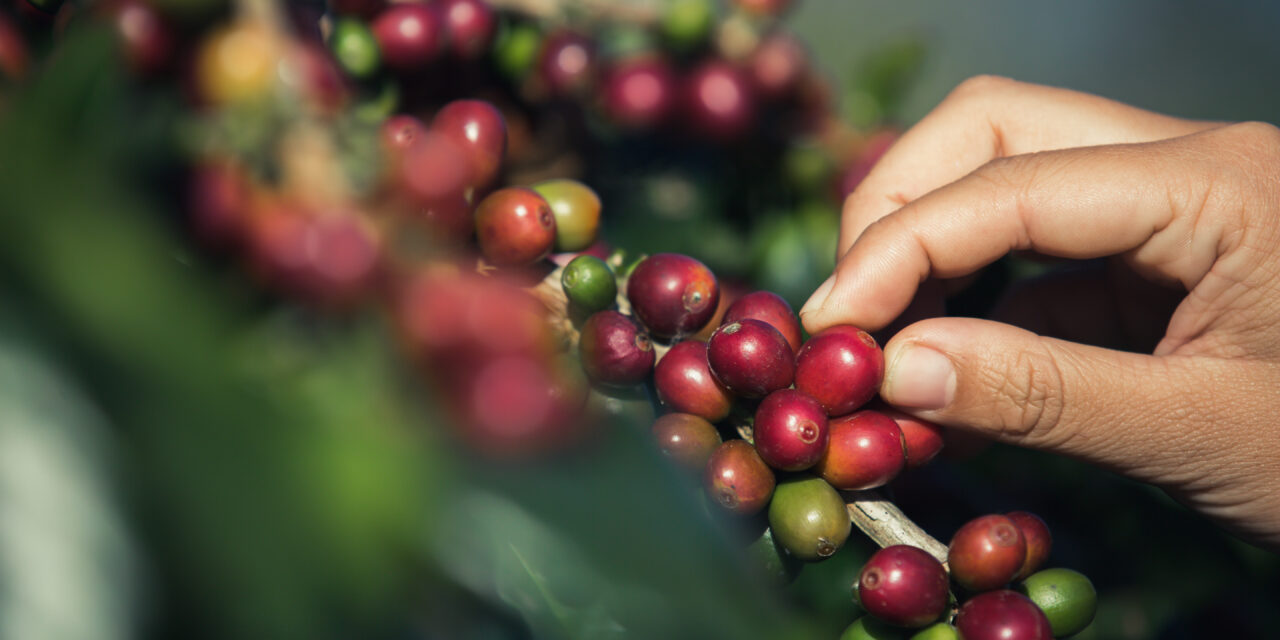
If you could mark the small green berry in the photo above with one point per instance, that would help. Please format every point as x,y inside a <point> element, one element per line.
<point>355,47</point>
<point>1067,598</point>
<point>589,283</point>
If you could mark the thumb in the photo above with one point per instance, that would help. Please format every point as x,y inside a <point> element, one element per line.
<point>1012,385</point>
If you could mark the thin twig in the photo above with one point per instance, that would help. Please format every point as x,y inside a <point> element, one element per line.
<point>887,525</point>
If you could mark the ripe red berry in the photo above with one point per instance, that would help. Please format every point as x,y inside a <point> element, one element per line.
<point>480,131</point>
<point>400,132</point>
<point>430,170</point>
<point>615,350</point>
<point>687,439</point>
<point>904,586</point>
<point>639,92</point>
<point>1002,615</point>
<point>923,439</point>
<point>684,382</point>
<point>568,62</point>
<point>865,451</point>
<point>777,64</point>
<point>790,430</point>
<point>672,294</point>
<point>719,101</point>
<point>841,367</point>
<point>1038,539</point>
<point>750,358</point>
<point>737,479</point>
<point>986,553</point>
<point>409,35</point>
<point>768,307</point>
<point>515,406</point>
<point>515,226</point>
<point>470,25</point>
<point>147,38</point>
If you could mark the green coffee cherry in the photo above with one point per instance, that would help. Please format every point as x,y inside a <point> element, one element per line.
<point>868,628</point>
<point>589,283</point>
<point>939,631</point>
<point>577,210</point>
<point>1067,598</point>
<point>516,49</point>
<point>686,23</point>
<point>355,47</point>
<point>808,518</point>
<point>776,563</point>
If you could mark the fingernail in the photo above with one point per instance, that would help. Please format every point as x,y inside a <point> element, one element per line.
<point>920,378</point>
<point>819,297</point>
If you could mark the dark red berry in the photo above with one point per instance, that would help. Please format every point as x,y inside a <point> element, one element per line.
<point>865,451</point>
<point>147,38</point>
<point>737,479</point>
<point>400,132</point>
<point>515,226</point>
<point>672,294</point>
<point>923,438</point>
<point>515,406</point>
<point>409,35</point>
<point>328,259</point>
<point>770,308</point>
<point>777,64</point>
<point>1038,539</point>
<point>687,439</point>
<point>219,197</point>
<point>790,430</point>
<point>986,553</point>
<point>1002,615</point>
<point>470,25</point>
<point>719,100</point>
<point>615,350</point>
<point>684,382</point>
<point>639,92</point>
<point>568,62</point>
<point>904,586</point>
<point>430,169</point>
<point>479,129</point>
<point>841,367</point>
<point>750,358</point>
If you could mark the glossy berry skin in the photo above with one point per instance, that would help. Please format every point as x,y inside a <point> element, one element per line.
<point>589,284</point>
<point>865,451</point>
<point>737,479</point>
<point>684,382</point>
<point>750,358</point>
<point>1066,597</point>
<point>479,129</point>
<point>1002,615</point>
<point>577,209</point>
<point>400,132</point>
<point>986,553</point>
<point>687,440</point>
<point>808,518</point>
<point>640,92</point>
<point>790,430</point>
<point>904,586</point>
<point>615,351</point>
<point>470,25</point>
<point>515,227</point>
<point>719,101</point>
<point>355,47</point>
<point>1038,539</point>
<point>672,294</point>
<point>768,307</point>
<point>841,367</point>
<point>409,35</point>
<point>567,63</point>
<point>923,439</point>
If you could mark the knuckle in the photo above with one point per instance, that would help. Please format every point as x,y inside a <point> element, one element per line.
<point>1029,394</point>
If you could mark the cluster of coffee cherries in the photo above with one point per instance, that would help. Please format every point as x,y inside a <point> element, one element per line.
<point>907,594</point>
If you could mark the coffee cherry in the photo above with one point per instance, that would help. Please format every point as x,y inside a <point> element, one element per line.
<point>684,382</point>
<point>672,294</point>
<point>750,358</point>
<point>777,64</point>
<point>470,25</point>
<point>236,64</point>
<point>13,51</point>
<point>589,284</point>
<point>615,350</point>
<point>400,132</point>
<point>719,101</point>
<point>1002,615</point>
<point>986,553</point>
<point>430,171</point>
<point>1066,597</point>
<point>687,439</point>
<point>776,564</point>
<point>577,210</point>
<point>865,451</point>
<point>841,367</point>
<point>790,430</point>
<point>904,586</point>
<point>567,63</point>
<point>808,518</point>
<point>479,129</point>
<point>516,49</point>
<point>515,227</point>
<point>737,479</point>
<point>355,47</point>
<point>768,307</point>
<point>1037,537</point>
<point>517,406</point>
<point>923,439</point>
<point>686,23</point>
<point>409,35</point>
<point>639,92</point>
<point>147,38</point>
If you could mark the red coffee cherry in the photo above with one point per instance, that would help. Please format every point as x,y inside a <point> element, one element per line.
<point>841,367</point>
<point>719,100</point>
<point>615,350</point>
<point>480,131</point>
<point>639,92</point>
<point>515,227</point>
<point>923,439</point>
<point>410,35</point>
<point>790,430</point>
<point>750,358</point>
<point>1038,538</point>
<point>470,25</point>
<point>672,294</point>
<point>865,451</point>
<point>1002,615</point>
<point>684,382</point>
<point>687,439</point>
<point>737,479</point>
<point>768,307</point>
<point>568,63</point>
<point>986,553</point>
<point>904,586</point>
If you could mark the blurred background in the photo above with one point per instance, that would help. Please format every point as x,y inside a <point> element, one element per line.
<point>189,449</point>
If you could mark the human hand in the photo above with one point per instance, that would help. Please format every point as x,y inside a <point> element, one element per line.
<point>1002,166</point>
